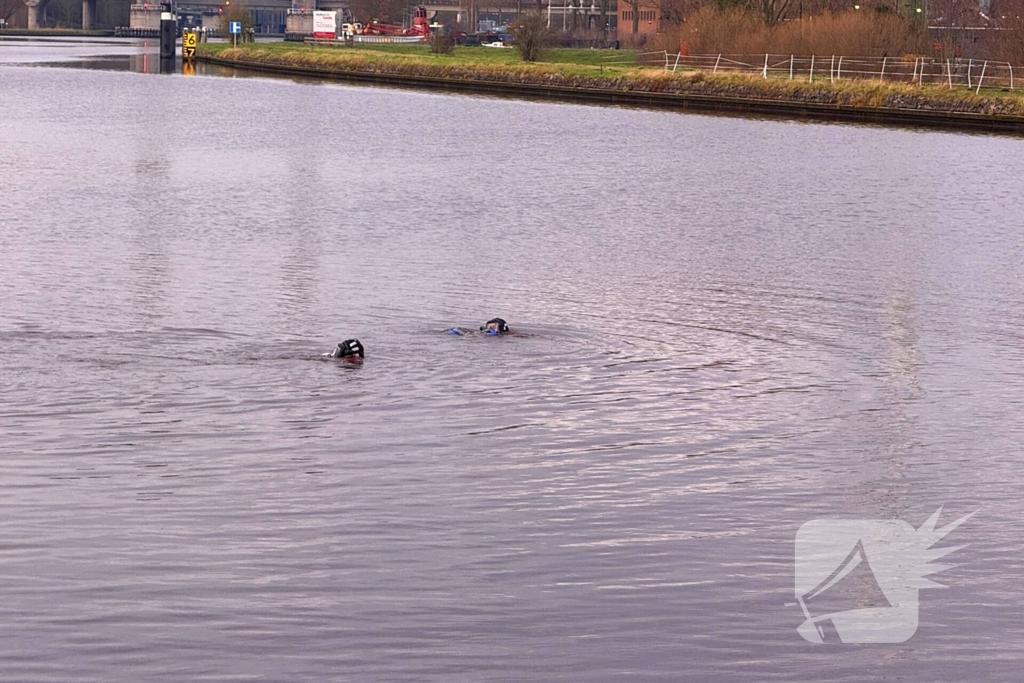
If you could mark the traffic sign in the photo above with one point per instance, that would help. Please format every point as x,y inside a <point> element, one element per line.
<point>235,27</point>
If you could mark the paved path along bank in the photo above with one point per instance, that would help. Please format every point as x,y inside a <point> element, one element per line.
<point>866,101</point>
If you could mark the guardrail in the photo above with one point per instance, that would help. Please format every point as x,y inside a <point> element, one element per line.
<point>131,32</point>
<point>959,72</point>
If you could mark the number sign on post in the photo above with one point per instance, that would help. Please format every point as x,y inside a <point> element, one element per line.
<point>188,46</point>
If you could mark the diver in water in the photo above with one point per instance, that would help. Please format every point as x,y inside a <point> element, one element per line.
<point>350,350</point>
<point>494,326</point>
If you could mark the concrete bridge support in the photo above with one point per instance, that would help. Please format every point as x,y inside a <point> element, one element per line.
<point>88,14</point>
<point>36,7</point>
<point>35,13</point>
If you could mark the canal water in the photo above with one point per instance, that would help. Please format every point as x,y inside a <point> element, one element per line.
<point>724,328</point>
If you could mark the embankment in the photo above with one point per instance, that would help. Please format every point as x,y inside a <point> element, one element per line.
<point>55,33</point>
<point>867,101</point>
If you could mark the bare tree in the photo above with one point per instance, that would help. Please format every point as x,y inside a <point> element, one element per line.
<point>676,11</point>
<point>531,35</point>
<point>236,11</point>
<point>63,14</point>
<point>772,11</point>
<point>605,6</point>
<point>634,6</point>
<point>8,8</point>
<point>1010,18</point>
<point>953,18</point>
<point>380,10</point>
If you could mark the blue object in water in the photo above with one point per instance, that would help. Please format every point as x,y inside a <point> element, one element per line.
<point>454,330</point>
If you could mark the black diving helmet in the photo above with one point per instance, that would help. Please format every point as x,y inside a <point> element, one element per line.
<point>495,326</point>
<point>350,348</point>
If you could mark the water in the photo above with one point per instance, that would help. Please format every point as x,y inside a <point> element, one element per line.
<point>730,327</point>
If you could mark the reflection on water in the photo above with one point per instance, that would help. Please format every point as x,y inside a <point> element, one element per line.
<point>114,53</point>
<point>733,327</point>
<point>137,55</point>
<point>146,63</point>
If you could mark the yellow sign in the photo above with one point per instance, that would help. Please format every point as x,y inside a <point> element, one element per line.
<point>188,45</point>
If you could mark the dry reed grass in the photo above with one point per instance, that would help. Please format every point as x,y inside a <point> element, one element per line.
<point>736,31</point>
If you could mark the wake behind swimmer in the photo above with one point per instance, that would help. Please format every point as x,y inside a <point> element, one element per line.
<point>352,351</point>
<point>493,327</point>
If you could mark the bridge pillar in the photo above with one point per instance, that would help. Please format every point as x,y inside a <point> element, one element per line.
<point>35,13</point>
<point>88,14</point>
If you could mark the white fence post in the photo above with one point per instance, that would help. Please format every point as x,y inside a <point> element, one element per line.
<point>676,65</point>
<point>832,70</point>
<point>949,72</point>
<point>811,80</point>
<point>839,71</point>
<point>791,69</point>
<point>715,70</point>
<point>970,63</point>
<point>983,67</point>
<point>1011,74</point>
<point>765,72</point>
<point>881,76</point>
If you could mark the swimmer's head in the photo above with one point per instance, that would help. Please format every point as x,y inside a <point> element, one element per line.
<point>350,349</point>
<point>495,326</point>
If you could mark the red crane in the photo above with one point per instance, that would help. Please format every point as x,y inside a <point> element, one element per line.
<point>420,26</point>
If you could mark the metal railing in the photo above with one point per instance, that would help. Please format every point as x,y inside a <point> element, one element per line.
<point>958,72</point>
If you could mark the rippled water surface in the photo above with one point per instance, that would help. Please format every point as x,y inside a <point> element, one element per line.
<point>727,327</point>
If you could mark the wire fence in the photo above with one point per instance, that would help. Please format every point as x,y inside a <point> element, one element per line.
<point>953,73</point>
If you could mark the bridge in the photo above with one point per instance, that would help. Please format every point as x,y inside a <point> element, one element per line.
<point>36,8</point>
<point>269,15</point>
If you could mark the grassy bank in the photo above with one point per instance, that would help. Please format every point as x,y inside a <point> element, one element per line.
<point>615,73</point>
<point>564,60</point>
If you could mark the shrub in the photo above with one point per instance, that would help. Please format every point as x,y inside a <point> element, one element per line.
<point>1010,41</point>
<point>236,11</point>
<point>737,31</point>
<point>531,36</point>
<point>442,44</point>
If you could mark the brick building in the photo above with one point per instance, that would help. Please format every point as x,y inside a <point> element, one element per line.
<point>649,23</point>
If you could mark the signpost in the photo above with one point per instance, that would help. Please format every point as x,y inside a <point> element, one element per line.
<point>188,46</point>
<point>325,25</point>
<point>234,28</point>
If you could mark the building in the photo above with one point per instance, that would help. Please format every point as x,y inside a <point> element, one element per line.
<point>649,19</point>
